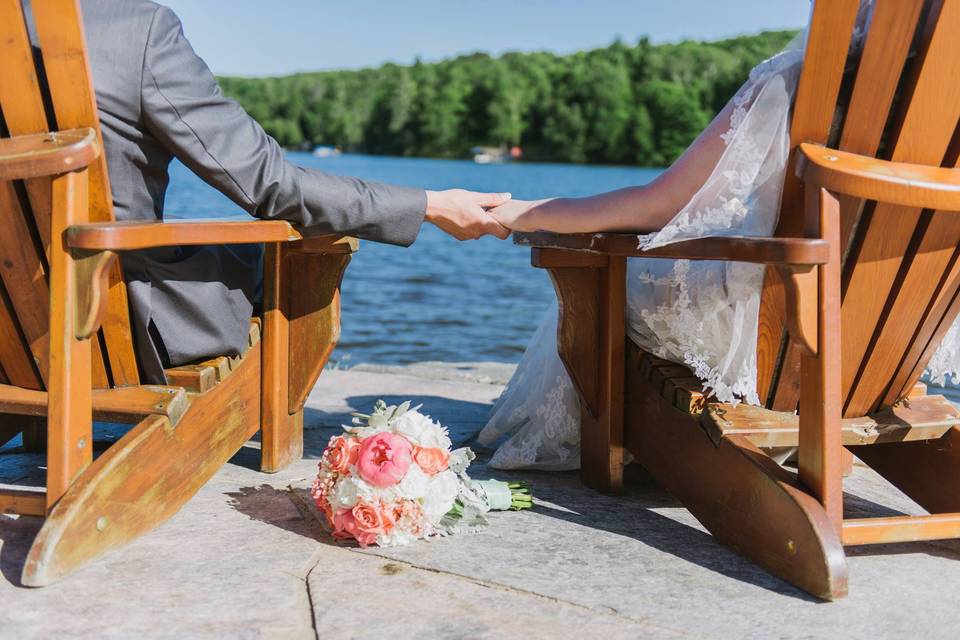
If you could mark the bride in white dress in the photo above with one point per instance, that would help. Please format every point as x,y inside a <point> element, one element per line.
<point>702,314</point>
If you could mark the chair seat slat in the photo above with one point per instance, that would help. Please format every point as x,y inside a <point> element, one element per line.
<point>926,418</point>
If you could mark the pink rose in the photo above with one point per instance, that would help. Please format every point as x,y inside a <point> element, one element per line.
<point>431,460</point>
<point>341,453</point>
<point>384,459</point>
<point>345,528</point>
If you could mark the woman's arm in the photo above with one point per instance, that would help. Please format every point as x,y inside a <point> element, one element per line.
<point>643,209</point>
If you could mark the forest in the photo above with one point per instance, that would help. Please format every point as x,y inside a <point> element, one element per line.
<point>625,104</point>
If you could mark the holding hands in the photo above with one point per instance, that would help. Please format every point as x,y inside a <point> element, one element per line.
<point>467,215</point>
<point>464,214</point>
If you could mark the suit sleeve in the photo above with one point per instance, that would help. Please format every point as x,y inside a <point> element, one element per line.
<point>182,106</point>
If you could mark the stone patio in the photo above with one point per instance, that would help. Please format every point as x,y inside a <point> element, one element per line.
<point>246,558</point>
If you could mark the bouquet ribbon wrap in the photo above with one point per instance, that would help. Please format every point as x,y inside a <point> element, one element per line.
<point>498,493</point>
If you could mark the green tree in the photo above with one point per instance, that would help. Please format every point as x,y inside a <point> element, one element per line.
<point>676,116</point>
<point>619,104</point>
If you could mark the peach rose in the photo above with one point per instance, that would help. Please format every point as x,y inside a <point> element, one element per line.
<point>384,459</point>
<point>431,460</point>
<point>373,518</point>
<point>345,528</point>
<point>341,453</point>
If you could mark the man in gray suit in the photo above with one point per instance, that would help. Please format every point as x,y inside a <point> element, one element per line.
<point>158,100</point>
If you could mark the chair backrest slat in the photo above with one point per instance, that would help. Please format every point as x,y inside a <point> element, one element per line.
<point>936,326</point>
<point>26,220</point>
<point>62,43</point>
<point>901,265</point>
<point>885,51</point>
<point>22,102</point>
<point>23,111</point>
<point>830,32</point>
<point>59,27</point>
<point>15,355</point>
<point>24,277</point>
<point>901,257</point>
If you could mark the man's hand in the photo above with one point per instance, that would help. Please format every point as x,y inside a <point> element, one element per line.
<point>463,214</point>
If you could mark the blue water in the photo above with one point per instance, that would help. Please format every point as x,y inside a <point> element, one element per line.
<point>439,299</point>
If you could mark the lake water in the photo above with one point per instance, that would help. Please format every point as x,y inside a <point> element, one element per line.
<point>439,299</point>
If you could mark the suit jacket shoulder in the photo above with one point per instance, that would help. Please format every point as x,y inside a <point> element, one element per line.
<point>117,62</point>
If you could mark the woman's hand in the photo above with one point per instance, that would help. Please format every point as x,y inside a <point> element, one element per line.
<point>519,215</point>
<point>464,215</point>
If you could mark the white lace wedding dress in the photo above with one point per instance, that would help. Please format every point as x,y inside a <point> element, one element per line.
<point>703,314</point>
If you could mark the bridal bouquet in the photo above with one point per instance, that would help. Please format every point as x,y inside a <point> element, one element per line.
<point>392,478</point>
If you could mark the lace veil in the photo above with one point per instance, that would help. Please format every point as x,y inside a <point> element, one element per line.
<point>704,314</point>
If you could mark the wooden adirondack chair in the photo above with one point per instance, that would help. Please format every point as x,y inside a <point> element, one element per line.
<point>863,283</point>
<point>61,281</point>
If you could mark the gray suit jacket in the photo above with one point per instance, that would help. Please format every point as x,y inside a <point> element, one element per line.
<point>158,100</point>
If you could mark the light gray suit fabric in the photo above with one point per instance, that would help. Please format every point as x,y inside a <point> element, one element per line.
<point>158,100</point>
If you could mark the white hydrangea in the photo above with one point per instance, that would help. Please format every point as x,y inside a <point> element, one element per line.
<point>414,484</point>
<point>442,490</point>
<point>422,431</point>
<point>396,538</point>
<point>348,491</point>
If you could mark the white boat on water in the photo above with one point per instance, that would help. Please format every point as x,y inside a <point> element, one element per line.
<point>494,155</point>
<point>324,151</point>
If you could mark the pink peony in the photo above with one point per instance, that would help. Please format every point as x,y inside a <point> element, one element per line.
<point>431,460</point>
<point>384,459</point>
<point>341,453</point>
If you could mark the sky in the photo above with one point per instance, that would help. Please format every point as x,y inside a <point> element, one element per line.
<point>275,37</point>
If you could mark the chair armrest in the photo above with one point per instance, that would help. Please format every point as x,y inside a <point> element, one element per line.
<point>47,154</point>
<point>772,251</point>
<point>912,185</point>
<point>147,234</point>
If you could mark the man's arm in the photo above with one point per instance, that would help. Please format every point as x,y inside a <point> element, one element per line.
<point>182,106</point>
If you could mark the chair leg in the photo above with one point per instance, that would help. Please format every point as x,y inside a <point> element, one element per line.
<point>591,339</point>
<point>146,477</point>
<point>281,442</point>
<point>747,501</point>
<point>280,437</point>
<point>820,462</point>
<point>301,326</point>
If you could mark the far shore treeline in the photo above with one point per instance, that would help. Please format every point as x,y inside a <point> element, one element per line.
<point>622,104</point>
